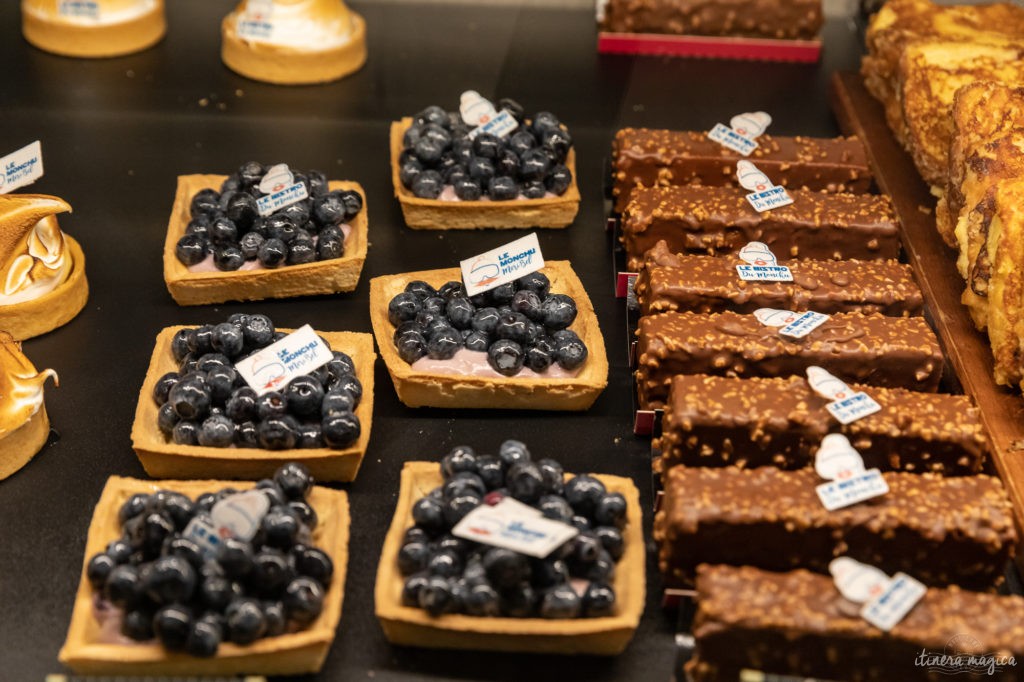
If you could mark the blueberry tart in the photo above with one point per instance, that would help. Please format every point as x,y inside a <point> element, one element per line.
<point>97,28</point>
<point>531,344</point>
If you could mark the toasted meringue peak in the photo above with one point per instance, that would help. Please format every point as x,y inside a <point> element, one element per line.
<point>304,24</point>
<point>109,11</point>
<point>21,386</point>
<point>34,257</point>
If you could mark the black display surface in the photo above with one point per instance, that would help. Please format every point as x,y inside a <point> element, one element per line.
<point>116,133</point>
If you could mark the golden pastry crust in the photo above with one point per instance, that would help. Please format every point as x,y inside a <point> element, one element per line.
<point>320,277</point>
<point>54,309</point>
<point>162,458</point>
<point>429,389</point>
<point>434,214</point>
<point>289,654</point>
<point>288,66</point>
<point>71,39</point>
<point>19,447</point>
<point>599,636</point>
<point>1004,249</point>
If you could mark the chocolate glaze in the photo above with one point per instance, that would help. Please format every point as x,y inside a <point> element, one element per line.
<point>646,157</point>
<point>942,530</point>
<point>797,623</point>
<point>891,352</point>
<point>720,220</point>
<point>710,284</point>
<point>718,421</point>
<point>793,19</point>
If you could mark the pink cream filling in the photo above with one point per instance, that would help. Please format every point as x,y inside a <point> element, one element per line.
<point>448,194</point>
<point>474,363</point>
<point>207,265</point>
<point>109,618</point>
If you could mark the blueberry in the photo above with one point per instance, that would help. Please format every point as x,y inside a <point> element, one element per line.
<point>132,507</point>
<point>257,331</point>
<point>172,624</point>
<point>415,534</point>
<point>191,249</point>
<point>503,294</point>
<point>351,385</point>
<point>519,601</point>
<point>535,165</point>
<point>502,188</point>
<point>445,563</point>
<point>598,600</point>
<point>303,600</point>
<point>506,357</point>
<point>299,212</point>
<point>340,430</point>
<point>314,563</point>
<point>420,289</point>
<point>138,625</point>
<point>99,568</point>
<point>272,253</point>
<point>303,396</point>
<point>444,344</point>
<point>436,596</point>
<point>460,311</point>
<point>206,363</point>
<point>435,305</point>
<point>280,226</point>
<point>513,326</point>
<point>482,600</point>
<point>179,344</point>
<point>271,572</point>
<point>584,492</point>
<point>329,209</point>
<point>610,510</point>
<point>490,470</point>
<point>186,432</point>
<point>245,621</point>
<point>436,133</point>
<point>280,528</point>
<point>467,189</point>
<point>242,211</point>
<point>432,114</point>
<point>555,507</point>
<point>487,146</point>
<point>456,508</point>
<point>411,589</point>
<point>533,189</point>
<point>216,592</point>
<point>204,638</point>
<point>278,433</point>
<point>250,173</point>
<point>403,308</point>
<point>275,618</point>
<point>452,289</point>
<point>409,171</point>
<point>200,341</point>
<point>294,480</point>
<point>190,399</point>
<point>570,352</point>
<point>223,231</point>
<point>477,341</point>
<point>560,602</point>
<point>544,120</point>
<point>550,572</point>
<point>174,505</point>
<point>512,451</point>
<point>301,251</point>
<point>429,515</point>
<point>169,580</point>
<point>317,183</point>
<point>539,357</point>
<point>505,568</point>
<point>272,491</point>
<point>524,482</point>
<point>485,320</point>
<point>558,180</point>
<point>227,339</point>
<point>460,458</point>
<point>558,311</point>
<point>481,170</point>
<point>329,249</point>
<point>428,151</point>
<point>337,402</point>
<point>411,347</point>
<point>462,483</point>
<point>217,431</point>
<point>612,541</point>
<point>118,550</point>
<point>528,303</point>
<point>586,548</point>
<point>204,202</point>
<point>507,164</point>
<point>123,586</point>
<point>235,557</point>
<point>163,387</point>
<point>186,549</point>
<point>228,258</point>
<point>241,406</point>
<point>247,435</point>
<point>249,244</point>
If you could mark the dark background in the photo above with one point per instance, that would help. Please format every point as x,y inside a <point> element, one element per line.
<point>117,132</point>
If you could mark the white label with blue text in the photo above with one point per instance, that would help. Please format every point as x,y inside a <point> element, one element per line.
<point>505,526</point>
<point>764,273</point>
<point>255,21</point>
<point>804,325</point>
<point>21,168</point>
<point>272,368</point>
<point>272,203</point>
<point>894,603</point>
<point>236,516</point>
<point>848,491</point>
<point>849,410</point>
<point>502,265</point>
<point>773,197</point>
<point>83,9</point>
<point>730,139</point>
<point>501,125</point>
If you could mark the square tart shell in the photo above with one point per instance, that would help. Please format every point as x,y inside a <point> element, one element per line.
<point>320,277</point>
<point>289,654</point>
<point>434,214</point>
<point>415,627</point>
<point>431,389</point>
<point>162,458</point>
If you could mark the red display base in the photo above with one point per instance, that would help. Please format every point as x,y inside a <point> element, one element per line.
<point>751,49</point>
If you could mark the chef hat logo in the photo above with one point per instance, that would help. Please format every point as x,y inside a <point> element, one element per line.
<point>826,385</point>
<point>750,124</point>
<point>277,178</point>
<point>856,581</point>
<point>770,317</point>
<point>837,459</point>
<point>751,177</point>
<point>758,253</point>
<point>475,109</point>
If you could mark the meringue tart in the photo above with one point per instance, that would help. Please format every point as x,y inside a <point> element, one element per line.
<point>605,636</point>
<point>298,42</point>
<point>24,426</point>
<point>87,652</point>
<point>320,277</point>
<point>42,270</point>
<point>163,458</point>
<point>418,388</point>
<point>438,214</point>
<point>93,28</point>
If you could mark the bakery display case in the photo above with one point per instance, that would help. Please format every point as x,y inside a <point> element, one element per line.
<point>753,423</point>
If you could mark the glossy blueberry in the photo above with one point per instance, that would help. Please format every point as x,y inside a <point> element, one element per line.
<point>200,340</point>
<point>208,362</point>
<point>245,621</point>
<point>460,311</point>
<point>242,211</point>
<point>303,600</point>
<point>257,331</point>
<point>503,295</point>
<point>171,625</point>
<point>555,507</point>
<point>329,249</point>
<point>241,406</point>
<point>272,253</point>
<point>190,399</point>
<point>280,226</point>
<point>404,307</point>
<point>539,358</point>
<point>280,527</point>
<point>249,244</point>
<point>299,212</point>
<point>191,249</point>
<point>534,165</point>
<point>452,289</point>
<point>481,170</point>
<point>524,482</point>
<point>445,563</point>
<point>557,140</point>
<point>329,209</point>
<point>186,549</point>
<point>120,551</point>
<point>169,580</point>
<point>204,638</point>
<point>132,507</point>
<point>505,568</point>
<point>99,568</point>
<point>272,404</point>
<point>558,311</point>
<point>303,396</point>
<point>273,492</point>
<point>507,164</point>
<point>544,120</point>
<point>466,189</point>
<point>506,357</point>
<point>528,303</point>
<point>278,433</point>
<point>216,431</point>
<point>502,188</point>
<point>204,202</point>
<point>420,289</point>
<point>166,419</point>
<point>435,305</point>
<point>482,600</point>
<point>598,600</point>
<point>560,601</point>
<point>179,344</point>
<point>485,320</point>
<point>138,625</point>
<point>444,344</point>
<point>123,586</point>
<point>553,476</point>
<point>301,251</point>
<point>228,258</point>
<point>429,515</point>
<point>337,402</point>
<point>533,189</point>
<point>428,151</point>
<point>436,597</point>
<point>584,492</point>
<point>558,180</point>
<point>223,231</point>
<point>294,480</point>
<point>351,385</point>
<point>550,572</point>
<point>570,351</point>
<point>432,114</point>
<point>275,618</point>
<point>317,183</point>
<point>271,572</point>
<point>247,435</point>
<point>512,451</point>
<point>412,587</point>
<point>340,430</point>
<point>476,341</point>
<point>235,557</point>
<point>461,458</point>
<point>314,563</point>
<point>250,173</point>
<point>186,432</point>
<point>353,202</point>
<point>409,171</point>
<point>456,508</point>
<point>491,471</point>
<point>217,591</point>
<point>227,339</point>
<point>519,601</point>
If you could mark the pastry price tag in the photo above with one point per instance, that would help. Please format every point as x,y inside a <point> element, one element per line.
<point>83,9</point>
<point>762,265</point>
<point>793,325</point>
<point>886,600</point>
<point>846,405</point>
<point>236,516</point>
<point>505,525</point>
<point>741,132</point>
<point>21,168</point>
<point>501,265</point>
<point>280,189</point>
<point>839,463</point>
<point>255,20</point>
<point>478,111</point>
<point>272,368</point>
<point>765,195</point>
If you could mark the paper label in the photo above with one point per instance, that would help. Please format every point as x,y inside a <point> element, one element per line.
<point>857,406</point>
<point>897,600</point>
<point>255,21</point>
<point>772,317</point>
<point>272,368</point>
<point>21,168</point>
<point>804,325</point>
<point>276,179</point>
<point>844,493</point>
<point>505,526</point>
<point>856,581</point>
<point>751,125</point>
<point>744,129</point>
<point>762,265</point>
<point>501,125</point>
<point>236,516</point>
<point>836,459</point>
<point>601,9</point>
<point>85,9</point>
<point>827,385</point>
<point>765,194</point>
<point>272,203</point>
<point>502,265</point>
<point>479,112</point>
